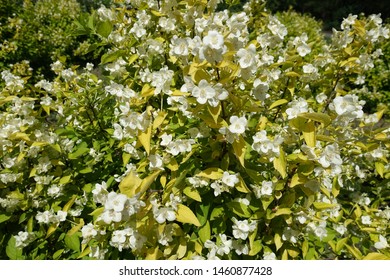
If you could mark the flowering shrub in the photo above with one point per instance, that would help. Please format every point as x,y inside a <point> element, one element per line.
<point>204,134</point>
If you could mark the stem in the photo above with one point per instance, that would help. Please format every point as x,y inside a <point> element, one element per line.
<point>332,94</point>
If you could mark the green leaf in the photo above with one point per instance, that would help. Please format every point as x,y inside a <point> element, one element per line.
<point>216,213</point>
<point>159,119</point>
<point>293,74</point>
<point>76,228</point>
<point>255,248</point>
<point>185,215</point>
<point>240,209</point>
<point>72,242</point>
<point>110,57</point>
<point>82,148</point>
<point>283,211</point>
<point>4,217</point>
<point>12,251</point>
<point>215,111</point>
<point>204,232</point>
<point>86,170</point>
<point>278,241</point>
<point>57,254</point>
<point>104,28</point>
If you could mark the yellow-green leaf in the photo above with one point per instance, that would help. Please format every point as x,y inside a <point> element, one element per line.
<point>146,182</point>
<point>239,148</point>
<point>215,111</point>
<point>354,251</point>
<point>76,228</point>
<point>159,119</point>
<point>278,103</point>
<point>283,211</point>
<point>192,193</point>
<point>309,134</point>
<point>278,241</point>
<point>280,163</point>
<point>130,184</point>
<point>323,205</point>
<point>380,168</point>
<point>182,248</point>
<point>153,254</point>
<point>185,215</point>
<point>376,256</point>
<point>318,117</point>
<point>144,138</point>
<point>340,244</point>
<point>297,179</point>
<point>64,180</point>
<point>69,203</point>
<point>212,173</point>
<point>241,186</point>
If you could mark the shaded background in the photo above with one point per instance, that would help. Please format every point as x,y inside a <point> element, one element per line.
<point>332,12</point>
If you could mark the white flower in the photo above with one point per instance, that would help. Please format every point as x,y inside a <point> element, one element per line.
<point>330,156</point>
<point>224,246</point>
<point>164,214</point>
<point>213,40</point>
<point>155,162</point>
<point>229,179</point>
<point>260,89</point>
<point>109,216</point>
<point>247,57</point>
<point>100,193</point>
<point>366,220</point>
<point>382,243</point>
<point>61,215</point>
<point>203,92</point>
<point>348,106</point>
<point>88,232</point>
<point>340,229</point>
<point>269,256</point>
<point>297,107</point>
<point>266,188</point>
<point>115,201</point>
<point>237,124</point>
<point>46,217</point>
<point>23,239</point>
<point>179,47</point>
<point>166,139</point>
<point>241,229</point>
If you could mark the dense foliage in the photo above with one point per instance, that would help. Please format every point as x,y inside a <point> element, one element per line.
<point>202,134</point>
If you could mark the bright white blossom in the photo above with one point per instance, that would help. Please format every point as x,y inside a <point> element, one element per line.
<point>241,229</point>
